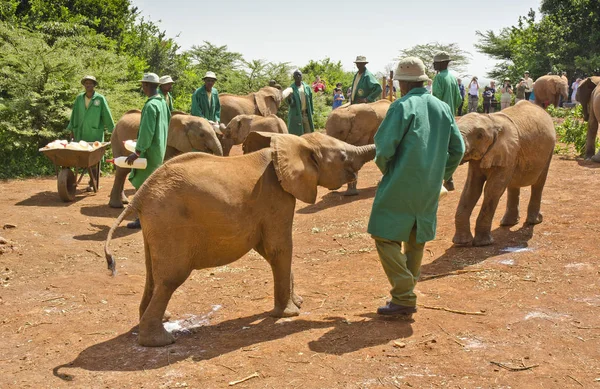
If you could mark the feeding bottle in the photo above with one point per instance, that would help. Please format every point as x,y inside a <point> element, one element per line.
<point>139,163</point>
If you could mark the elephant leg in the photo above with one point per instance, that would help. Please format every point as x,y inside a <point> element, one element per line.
<point>468,200</point>
<point>494,188</point>
<point>117,194</point>
<point>351,191</point>
<point>149,286</point>
<point>556,101</point>
<point>592,132</point>
<point>534,215</point>
<point>511,216</point>
<point>151,330</point>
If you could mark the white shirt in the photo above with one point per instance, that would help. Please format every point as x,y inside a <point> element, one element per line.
<point>473,89</point>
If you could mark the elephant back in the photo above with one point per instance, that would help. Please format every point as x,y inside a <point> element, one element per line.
<point>126,129</point>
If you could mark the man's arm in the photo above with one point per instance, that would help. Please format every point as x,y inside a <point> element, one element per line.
<point>457,98</point>
<point>388,137</point>
<point>147,128</point>
<point>437,89</point>
<point>456,150</point>
<point>107,118</point>
<point>375,87</point>
<point>217,109</point>
<point>196,110</point>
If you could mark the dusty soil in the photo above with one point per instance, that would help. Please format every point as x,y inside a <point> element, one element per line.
<point>65,322</point>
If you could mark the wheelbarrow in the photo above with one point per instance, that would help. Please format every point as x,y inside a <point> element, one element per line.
<point>69,164</point>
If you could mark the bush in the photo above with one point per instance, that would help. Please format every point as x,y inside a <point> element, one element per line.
<point>572,132</point>
<point>558,112</point>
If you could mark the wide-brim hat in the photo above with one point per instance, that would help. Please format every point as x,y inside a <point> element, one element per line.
<point>151,78</point>
<point>507,79</point>
<point>210,75</point>
<point>410,69</point>
<point>442,56</point>
<point>361,59</point>
<point>166,80</point>
<point>91,78</point>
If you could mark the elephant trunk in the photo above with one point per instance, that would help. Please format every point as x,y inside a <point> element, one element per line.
<point>216,148</point>
<point>362,154</point>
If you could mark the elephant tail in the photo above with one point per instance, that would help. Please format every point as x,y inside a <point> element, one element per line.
<point>110,260</point>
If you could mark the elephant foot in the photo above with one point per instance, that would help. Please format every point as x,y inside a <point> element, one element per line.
<point>537,219</point>
<point>297,300</point>
<point>124,199</point>
<point>350,192</point>
<point>509,220</point>
<point>483,240</point>
<point>115,203</point>
<point>289,311</point>
<point>595,158</point>
<point>462,238</point>
<point>155,338</point>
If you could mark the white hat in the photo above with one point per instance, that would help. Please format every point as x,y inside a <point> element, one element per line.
<point>151,78</point>
<point>91,78</point>
<point>361,59</point>
<point>410,69</point>
<point>442,56</point>
<point>166,80</point>
<point>210,75</point>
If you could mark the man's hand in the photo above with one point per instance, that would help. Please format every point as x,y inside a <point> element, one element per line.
<point>131,158</point>
<point>72,136</point>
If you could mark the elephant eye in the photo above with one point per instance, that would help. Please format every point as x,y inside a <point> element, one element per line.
<point>480,135</point>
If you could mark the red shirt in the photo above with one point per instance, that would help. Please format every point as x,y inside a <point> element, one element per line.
<point>318,86</point>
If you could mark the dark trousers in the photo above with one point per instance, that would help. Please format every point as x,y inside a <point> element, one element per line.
<point>460,107</point>
<point>486,106</point>
<point>527,94</point>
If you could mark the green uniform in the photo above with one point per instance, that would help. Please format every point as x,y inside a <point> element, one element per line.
<point>296,117</point>
<point>151,139</point>
<point>368,87</point>
<point>418,145</point>
<point>169,102</point>
<point>445,88</point>
<point>88,124</point>
<point>200,106</point>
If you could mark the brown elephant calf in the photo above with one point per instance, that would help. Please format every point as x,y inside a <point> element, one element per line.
<point>199,211</point>
<point>509,149</point>
<point>240,126</point>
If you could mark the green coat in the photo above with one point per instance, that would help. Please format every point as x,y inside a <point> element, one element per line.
<point>418,145</point>
<point>368,87</point>
<point>445,88</point>
<point>200,104</point>
<point>151,139</point>
<point>295,111</point>
<point>88,124</point>
<point>169,103</point>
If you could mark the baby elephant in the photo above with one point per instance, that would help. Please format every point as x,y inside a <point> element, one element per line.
<point>509,149</point>
<point>240,126</point>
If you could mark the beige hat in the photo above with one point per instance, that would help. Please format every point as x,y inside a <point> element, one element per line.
<point>210,75</point>
<point>410,69</point>
<point>151,78</point>
<point>361,59</point>
<point>166,80</point>
<point>442,56</point>
<point>91,78</point>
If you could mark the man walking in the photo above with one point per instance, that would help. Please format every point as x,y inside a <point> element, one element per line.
<point>205,100</point>
<point>365,87</point>
<point>90,118</point>
<point>461,88</point>
<point>300,114</point>
<point>418,145</point>
<point>152,135</point>
<point>166,85</point>
<point>529,83</point>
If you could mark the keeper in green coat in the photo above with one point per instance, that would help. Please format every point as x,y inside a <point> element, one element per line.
<point>166,85</point>
<point>445,88</point>
<point>152,135</point>
<point>300,113</point>
<point>205,100</point>
<point>418,145</point>
<point>365,87</point>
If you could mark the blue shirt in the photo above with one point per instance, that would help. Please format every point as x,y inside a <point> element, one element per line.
<point>337,103</point>
<point>461,87</point>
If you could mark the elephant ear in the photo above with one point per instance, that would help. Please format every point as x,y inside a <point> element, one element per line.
<point>296,166</point>
<point>257,141</point>
<point>504,147</point>
<point>266,98</point>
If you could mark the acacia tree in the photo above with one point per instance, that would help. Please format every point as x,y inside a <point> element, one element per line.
<point>460,58</point>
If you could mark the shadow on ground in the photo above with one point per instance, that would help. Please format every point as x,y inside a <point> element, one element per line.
<point>102,233</point>
<point>123,353</point>
<point>335,199</point>
<point>50,199</point>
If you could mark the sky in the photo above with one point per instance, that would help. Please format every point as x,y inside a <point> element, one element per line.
<point>296,32</point>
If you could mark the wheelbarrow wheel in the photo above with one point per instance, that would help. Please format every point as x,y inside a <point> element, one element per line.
<point>66,185</point>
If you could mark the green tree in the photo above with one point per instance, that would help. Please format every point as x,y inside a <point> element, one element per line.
<point>460,57</point>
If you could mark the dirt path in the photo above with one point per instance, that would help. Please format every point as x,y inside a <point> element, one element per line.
<point>66,323</point>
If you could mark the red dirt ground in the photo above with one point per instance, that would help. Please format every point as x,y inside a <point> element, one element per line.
<point>66,323</point>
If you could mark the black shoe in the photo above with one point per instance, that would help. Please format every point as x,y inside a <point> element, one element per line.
<point>392,309</point>
<point>449,185</point>
<point>134,224</point>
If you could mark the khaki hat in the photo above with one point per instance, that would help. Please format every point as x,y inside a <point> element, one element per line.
<point>410,69</point>
<point>91,78</point>
<point>442,56</point>
<point>506,79</point>
<point>166,80</point>
<point>210,75</point>
<point>361,59</point>
<point>151,78</point>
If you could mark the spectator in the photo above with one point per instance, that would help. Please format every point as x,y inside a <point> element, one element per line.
<point>473,94</point>
<point>529,83</point>
<point>461,88</point>
<point>563,76</point>
<point>387,91</point>
<point>506,90</point>
<point>429,86</point>
<point>338,98</point>
<point>521,88</point>
<point>365,87</point>
<point>318,85</point>
<point>574,88</point>
<point>487,99</point>
<point>494,104</point>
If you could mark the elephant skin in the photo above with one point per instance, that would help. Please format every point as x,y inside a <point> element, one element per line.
<point>240,126</point>
<point>356,124</point>
<point>186,133</point>
<point>264,103</point>
<point>199,211</point>
<point>505,150</point>
<point>548,89</point>
<point>588,94</point>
